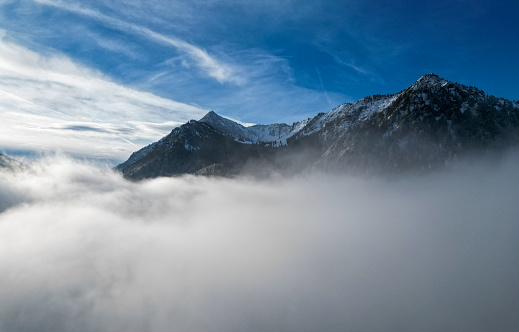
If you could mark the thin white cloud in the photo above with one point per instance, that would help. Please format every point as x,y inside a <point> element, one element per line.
<point>51,103</point>
<point>360,70</point>
<point>322,86</point>
<point>221,72</point>
<point>271,95</point>
<point>114,45</point>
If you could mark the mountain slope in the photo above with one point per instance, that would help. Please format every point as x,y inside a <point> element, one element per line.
<point>427,125</point>
<point>10,163</point>
<point>274,133</point>
<point>194,147</point>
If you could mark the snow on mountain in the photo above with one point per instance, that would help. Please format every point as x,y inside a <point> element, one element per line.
<point>347,114</point>
<point>429,123</point>
<point>274,133</point>
<point>429,81</point>
<point>426,125</point>
<point>137,155</point>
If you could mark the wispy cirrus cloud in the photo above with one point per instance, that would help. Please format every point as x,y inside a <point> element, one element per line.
<point>50,103</point>
<point>222,72</point>
<point>267,85</point>
<point>322,86</point>
<point>272,93</point>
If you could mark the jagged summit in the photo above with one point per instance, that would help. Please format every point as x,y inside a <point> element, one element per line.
<point>425,126</point>
<point>273,134</point>
<point>212,116</point>
<point>430,80</point>
<point>226,126</point>
<point>430,76</point>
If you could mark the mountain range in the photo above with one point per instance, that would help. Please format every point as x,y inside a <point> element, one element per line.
<point>428,125</point>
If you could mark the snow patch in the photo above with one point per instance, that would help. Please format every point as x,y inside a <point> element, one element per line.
<point>464,107</point>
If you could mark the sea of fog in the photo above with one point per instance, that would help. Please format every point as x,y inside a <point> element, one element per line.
<point>82,249</point>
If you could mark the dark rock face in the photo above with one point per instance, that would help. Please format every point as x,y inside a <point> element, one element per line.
<point>194,147</point>
<point>430,123</point>
<point>425,126</point>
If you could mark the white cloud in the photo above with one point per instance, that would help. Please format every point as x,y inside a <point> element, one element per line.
<point>214,68</point>
<point>371,74</point>
<point>84,250</point>
<point>49,103</point>
<point>322,87</point>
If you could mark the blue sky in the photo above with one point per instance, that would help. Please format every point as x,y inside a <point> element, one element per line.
<point>254,61</point>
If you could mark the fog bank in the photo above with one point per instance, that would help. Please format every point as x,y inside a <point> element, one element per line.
<point>82,249</point>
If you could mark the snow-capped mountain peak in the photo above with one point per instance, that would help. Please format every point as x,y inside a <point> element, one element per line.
<point>431,79</point>
<point>216,120</point>
<point>273,134</point>
<point>226,126</point>
<point>427,125</point>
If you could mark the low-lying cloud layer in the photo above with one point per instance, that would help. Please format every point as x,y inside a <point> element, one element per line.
<point>81,249</point>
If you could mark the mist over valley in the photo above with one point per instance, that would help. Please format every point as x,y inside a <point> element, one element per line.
<point>242,166</point>
<point>84,249</point>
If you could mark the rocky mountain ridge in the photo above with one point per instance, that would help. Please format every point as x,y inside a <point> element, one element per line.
<point>424,126</point>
